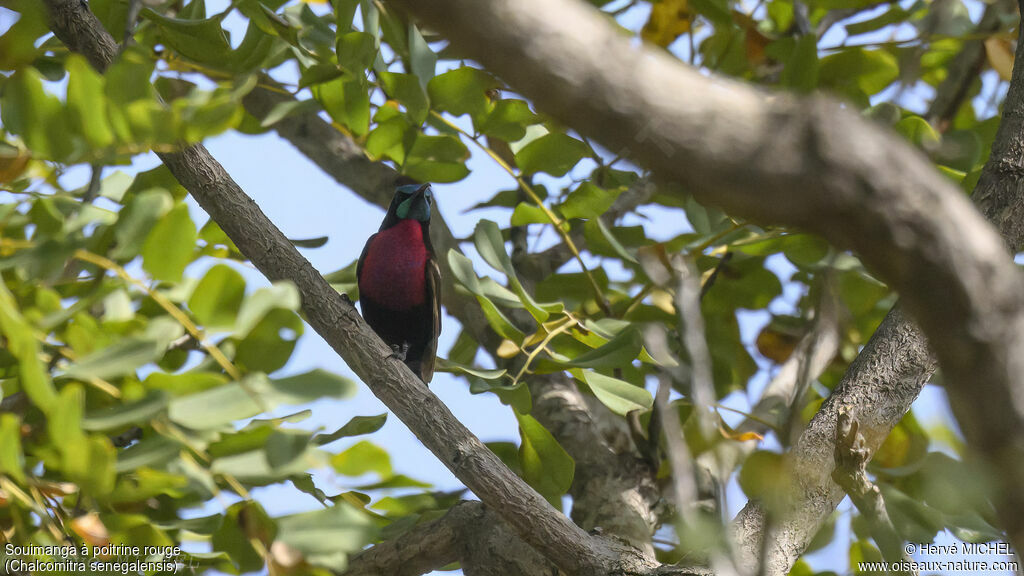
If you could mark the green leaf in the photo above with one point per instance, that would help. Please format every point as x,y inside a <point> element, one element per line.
<point>407,89</point>
<point>462,268</point>
<point>422,60</point>
<point>37,116</point>
<point>281,295</point>
<point>440,158</point>
<point>218,297</point>
<point>587,201</point>
<point>801,71</point>
<point>508,120</point>
<point>325,537</point>
<point>356,51</point>
<point>595,231</point>
<point>168,248</point>
<point>554,153</point>
<point>12,459</point>
<point>308,242</point>
<point>528,213</point>
<point>64,423</point>
<point>138,413</point>
<point>462,91</point>
<point>89,462</point>
<point>256,393</point>
<point>869,71</point>
<point>363,458</point>
<point>619,396</point>
<point>918,131</point>
<point>443,365</point>
<point>200,40</point>
<point>22,344</point>
<point>137,219</point>
<point>87,102</point>
<point>357,426</point>
<point>546,465</point>
<point>285,447</point>
<point>491,246</point>
<point>120,358</point>
<point>347,101</point>
<point>617,353</point>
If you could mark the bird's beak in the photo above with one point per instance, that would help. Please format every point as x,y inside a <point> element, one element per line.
<point>422,189</point>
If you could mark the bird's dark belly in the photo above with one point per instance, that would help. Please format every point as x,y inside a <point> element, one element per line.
<point>412,326</point>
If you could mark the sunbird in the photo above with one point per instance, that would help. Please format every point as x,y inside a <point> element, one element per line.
<point>400,281</point>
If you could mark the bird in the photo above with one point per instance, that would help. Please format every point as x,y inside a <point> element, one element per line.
<point>400,282</point>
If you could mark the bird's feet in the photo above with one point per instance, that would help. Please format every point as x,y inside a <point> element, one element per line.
<point>400,351</point>
<point>345,297</point>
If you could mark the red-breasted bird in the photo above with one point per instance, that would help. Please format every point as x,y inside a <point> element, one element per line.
<point>400,282</point>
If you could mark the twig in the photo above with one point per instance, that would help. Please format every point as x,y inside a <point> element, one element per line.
<point>852,455</point>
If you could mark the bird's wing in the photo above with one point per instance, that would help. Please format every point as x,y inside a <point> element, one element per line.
<point>433,273</point>
<point>362,258</point>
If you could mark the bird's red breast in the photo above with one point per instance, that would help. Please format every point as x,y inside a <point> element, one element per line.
<point>393,271</point>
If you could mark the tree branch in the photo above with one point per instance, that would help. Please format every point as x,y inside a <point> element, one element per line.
<point>850,472</point>
<point>965,67</point>
<point>469,533</point>
<point>605,495</point>
<point>803,162</point>
<point>340,325</point>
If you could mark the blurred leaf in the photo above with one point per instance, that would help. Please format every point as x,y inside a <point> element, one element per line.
<point>546,465</point>
<point>462,91</point>
<point>347,101</point>
<point>357,426</point>
<point>437,159</point>
<point>669,20</point>
<point>857,69</point>
<point>201,40</point>
<point>363,458</point>
<point>218,297</point>
<point>620,352</point>
<point>619,396</point>
<point>587,201</point>
<point>12,459</point>
<point>87,102</point>
<point>22,344</point>
<point>325,537</point>
<point>218,406</point>
<point>408,90</point>
<point>169,246</point>
<point>553,153</point>
<point>508,120</point>
<point>443,365</point>
<point>137,412</point>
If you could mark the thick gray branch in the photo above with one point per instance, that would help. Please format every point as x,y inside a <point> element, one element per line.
<point>803,162</point>
<point>340,325</point>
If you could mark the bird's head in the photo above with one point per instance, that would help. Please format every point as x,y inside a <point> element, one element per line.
<point>412,202</point>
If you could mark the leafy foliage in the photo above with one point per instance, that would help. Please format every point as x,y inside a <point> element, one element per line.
<point>137,359</point>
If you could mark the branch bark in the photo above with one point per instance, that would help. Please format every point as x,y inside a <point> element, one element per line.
<point>803,162</point>
<point>337,321</point>
<point>469,533</point>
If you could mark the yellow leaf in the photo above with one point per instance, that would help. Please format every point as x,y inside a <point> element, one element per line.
<point>1000,56</point>
<point>12,163</point>
<point>669,20</point>
<point>507,349</point>
<point>91,529</point>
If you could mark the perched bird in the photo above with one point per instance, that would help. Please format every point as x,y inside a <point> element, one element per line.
<point>400,282</point>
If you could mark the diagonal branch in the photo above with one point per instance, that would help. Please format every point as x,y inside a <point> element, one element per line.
<point>340,325</point>
<point>612,488</point>
<point>804,162</point>
<point>850,472</point>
